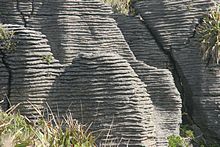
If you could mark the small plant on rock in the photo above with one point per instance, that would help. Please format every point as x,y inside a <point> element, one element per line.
<point>176,141</point>
<point>7,42</point>
<point>208,32</point>
<point>47,58</point>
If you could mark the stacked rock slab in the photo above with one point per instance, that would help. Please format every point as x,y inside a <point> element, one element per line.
<point>172,24</point>
<point>86,27</point>
<point>158,79</point>
<point>71,26</point>
<point>97,88</point>
<point>165,98</point>
<point>141,42</point>
<point>104,90</point>
<point>32,73</point>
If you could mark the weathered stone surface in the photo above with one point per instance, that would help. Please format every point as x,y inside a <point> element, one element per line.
<point>160,84</point>
<point>165,98</point>
<point>71,26</point>
<point>172,23</point>
<point>104,90</point>
<point>141,42</point>
<point>97,67</point>
<point>31,75</point>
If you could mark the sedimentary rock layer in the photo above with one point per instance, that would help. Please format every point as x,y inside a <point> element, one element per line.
<point>165,98</point>
<point>172,23</point>
<point>141,42</point>
<point>159,80</point>
<point>71,26</point>
<point>97,68</point>
<point>32,73</point>
<point>103,89</point>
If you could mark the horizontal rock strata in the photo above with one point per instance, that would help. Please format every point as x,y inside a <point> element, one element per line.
<point>172,23</point>
<point>31,73</point>
<point>103,89</point>
<point>87,68</point>
<point>141,42</point>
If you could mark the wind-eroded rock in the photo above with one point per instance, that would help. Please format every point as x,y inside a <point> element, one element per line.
<point>87,68</point>
<point>103,89</point>
<point>172,23</point>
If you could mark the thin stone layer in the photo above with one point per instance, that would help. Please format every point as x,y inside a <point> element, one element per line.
<point>173,23</point>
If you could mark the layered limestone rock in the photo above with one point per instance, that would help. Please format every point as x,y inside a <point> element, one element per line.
<point>33,70</point>
<point>99,78</point>
<point>71,26</point>
<point>172,23</point>
<point>158,79</point>
<point>103,89</point>
<point>141,42</point>
<point>165,98</point>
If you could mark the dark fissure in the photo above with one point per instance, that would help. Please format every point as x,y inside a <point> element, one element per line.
<point>4,61</point>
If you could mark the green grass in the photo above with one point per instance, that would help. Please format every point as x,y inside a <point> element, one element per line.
<point>7,42</point>
<point>16,130</point>
<point>119,6</point>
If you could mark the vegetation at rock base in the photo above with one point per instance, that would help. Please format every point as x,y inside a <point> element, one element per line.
<point>208,33</point>
<point>7,42</point>
<point>176,141</point>
<point>16,130</point>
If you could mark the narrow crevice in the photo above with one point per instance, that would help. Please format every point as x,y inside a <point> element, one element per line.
<point>22,14</point>
<point>6,99</point>
<point>179,79</point>
<point>32,7</point>
<point>175,70</point>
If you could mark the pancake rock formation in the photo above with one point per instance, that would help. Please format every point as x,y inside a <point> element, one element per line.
<point>172,24</point>
<point>104,69</point>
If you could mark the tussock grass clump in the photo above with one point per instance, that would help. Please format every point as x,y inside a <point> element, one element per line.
<point>7,42</point>
<point>209,35</point>
<point>16,130</point>
<point>119,6</point>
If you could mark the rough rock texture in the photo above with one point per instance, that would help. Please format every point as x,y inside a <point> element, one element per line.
<point>172,23</point>
<point>31,75</point>
<point>93,67</point>
<point>71,26</point>
<point>104,90</point>
<point>141,42</point>
<point>164,96</point>
<point>162,90</point>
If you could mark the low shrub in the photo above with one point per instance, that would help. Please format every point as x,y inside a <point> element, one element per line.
<point>7,41</point>
<point>208,32</point>
<point>119,6</point>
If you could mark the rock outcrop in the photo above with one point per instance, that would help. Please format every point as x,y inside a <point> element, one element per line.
<point>172,23</point>
<point>72,55</point>
<point>104,90</point>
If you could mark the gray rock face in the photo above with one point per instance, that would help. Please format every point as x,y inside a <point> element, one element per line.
<point>172,24</point>
<point>83,65</point>
<point>165,98</point>
<point>164,95</point>
<point>104,90</point>
<point>141,42</point>
<point>70,26</point>
<point>31,74</point>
